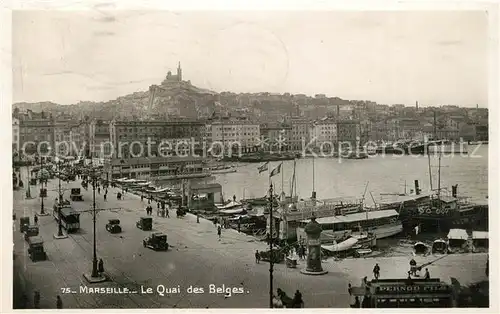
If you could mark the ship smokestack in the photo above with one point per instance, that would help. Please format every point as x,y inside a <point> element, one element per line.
<point>454,189</point>
<point>417,190</point>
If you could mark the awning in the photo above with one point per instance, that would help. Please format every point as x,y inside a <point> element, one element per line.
<point>480,235</point>
<point>458,234</point>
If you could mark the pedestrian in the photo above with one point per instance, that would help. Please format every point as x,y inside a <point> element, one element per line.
<point>356,304</point>
<point>376,271</point>
<point>234,198</point>
<point>101,266</point>
<point>167,213</point>
<point>257,257</point>
<point>142,197</point>
<point>36,219</point>
<point>36,299</point>
<point>59,303</point>
<point>105,196</point>
<point>427,274</point>
<point>297,300</point>
<point>99,190</point>
<point>197,218</point>
<point>158,205</point>
<point>219,231</point>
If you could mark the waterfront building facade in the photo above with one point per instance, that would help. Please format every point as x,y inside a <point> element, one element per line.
<point>348,132</point>
<point>233,134</point>
<point>300,133</point>
<point>36,133</point>
<point>15,135</point>
<point>165,138</point>
<point>324,134</point>
<point>276,137</point>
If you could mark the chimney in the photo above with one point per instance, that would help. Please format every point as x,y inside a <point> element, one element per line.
<point>417,190</point>
<point>454,189</point>
<point>416,105</point>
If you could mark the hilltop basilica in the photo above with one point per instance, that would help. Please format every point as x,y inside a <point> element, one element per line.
<point>173,78</point>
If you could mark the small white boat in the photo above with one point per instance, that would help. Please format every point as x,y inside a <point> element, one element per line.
<point>457,240</point>
<point>362,252</point>
<point>229,205</point>
<point>233,211</point>
<point>439,246</point>
<point>420,248</point>
<point>342,246</point>
<point>222,169</point>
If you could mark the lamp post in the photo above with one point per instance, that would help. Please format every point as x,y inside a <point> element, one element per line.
<point>271,264</point>
<point>95,273</point>
<point>59,204</point>
<point>42,196</point>
<point>28,191</point>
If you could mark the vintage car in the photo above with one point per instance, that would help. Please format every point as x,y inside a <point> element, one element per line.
<point>156,241</point>
<point>76,195</point>
<point>31,231</point>
<point>145,223</point>
<point>24,222</point>
<point>35,249</point>
<point>113,226</point>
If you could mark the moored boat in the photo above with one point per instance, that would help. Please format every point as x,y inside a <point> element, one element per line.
<point>380,223</point>
<point>457,240</point>
<point>222,169</point>
<point>420,248</point>
<point>439,246</point>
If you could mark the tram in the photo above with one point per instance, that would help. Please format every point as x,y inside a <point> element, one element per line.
<point>406,293</point>
<point>70,219</point>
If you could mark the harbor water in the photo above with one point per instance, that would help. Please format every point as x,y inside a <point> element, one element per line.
<point>345,178</point>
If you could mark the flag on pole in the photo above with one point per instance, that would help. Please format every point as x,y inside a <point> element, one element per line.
<point>263,167</point>
<point>275,171</point>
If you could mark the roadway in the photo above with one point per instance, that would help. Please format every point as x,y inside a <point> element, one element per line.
<point>196,258</point>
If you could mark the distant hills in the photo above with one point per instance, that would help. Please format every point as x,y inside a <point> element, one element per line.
<point>174,98</point>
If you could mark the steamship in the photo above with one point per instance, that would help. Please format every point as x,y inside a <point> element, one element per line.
<point>437,212</point>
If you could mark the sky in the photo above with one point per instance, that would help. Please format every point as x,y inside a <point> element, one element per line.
<point>433,57</point>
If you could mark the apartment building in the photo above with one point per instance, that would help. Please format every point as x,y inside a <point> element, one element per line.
<point>275,137</point>
<point>15,135</point>
<point>300,133</point>
<point>156,137</point>
<point>324,133</point>
<point>233,134</point>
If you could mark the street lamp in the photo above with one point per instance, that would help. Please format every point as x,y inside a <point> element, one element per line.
<point>95,277</point>
<point>59,205</point>
<point>42,190</point>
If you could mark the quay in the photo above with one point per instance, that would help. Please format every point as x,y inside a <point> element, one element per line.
<point>196,258</point>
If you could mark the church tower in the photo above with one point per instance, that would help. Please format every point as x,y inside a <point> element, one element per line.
<point>179,72</point>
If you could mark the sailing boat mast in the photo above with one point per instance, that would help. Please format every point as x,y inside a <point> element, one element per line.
<point>439,177</point>
<point>429,162</point>
<point>293,180</point>
<point>313,191</point>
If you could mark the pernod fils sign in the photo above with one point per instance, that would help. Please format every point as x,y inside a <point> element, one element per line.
<point>405,289</point>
